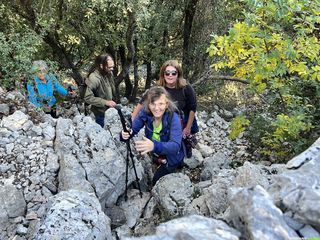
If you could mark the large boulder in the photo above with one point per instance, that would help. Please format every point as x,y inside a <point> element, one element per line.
<point>253,212</point>
<point>298,189</point>
<point>74,215</point>
<point>173,192</point>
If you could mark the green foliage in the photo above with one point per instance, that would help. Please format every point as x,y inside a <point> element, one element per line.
<point>277,49</point>
<point>17,49</point>
<point>286,132</point>
<point>238,125</point>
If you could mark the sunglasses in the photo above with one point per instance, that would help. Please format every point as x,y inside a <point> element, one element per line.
<point>173,73</point>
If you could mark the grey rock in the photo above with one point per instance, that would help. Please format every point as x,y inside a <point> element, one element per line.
<point>48,132</point>
<point>15,121</point>
<point>308,155</point>
<point>4,109</point>
<point>298,189</point>
<point>9,148</point>
<point>195,161</point>
<point>21,230</point>
<point>251,209</point>
<point>4,168</point>
<point>198,227</point>
<point>134,206</point>
<point>250,175</point>
<point>116,215</point>
<point>212,165</point>
<point>74,215</point>
<point>173,192</point>
<point>72,175</point>
<point>52,164</point>
<point>309,232</point>
<point>11,201</point>
<point>293,223</point>
<point>106,172</point>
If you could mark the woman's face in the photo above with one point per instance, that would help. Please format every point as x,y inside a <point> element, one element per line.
<point>170,76</point>
<point>41,74</point>
<point>159,106</point>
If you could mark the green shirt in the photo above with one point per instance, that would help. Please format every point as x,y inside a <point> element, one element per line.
<point>156,132</point>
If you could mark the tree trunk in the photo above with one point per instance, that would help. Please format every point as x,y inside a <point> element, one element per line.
<point>130,46</point>
<point>135,74</point>
<point>189,13</point>
<point>64,58</point>
<point>25,10</point>
<point>129,87</point>
<point>149,75</point>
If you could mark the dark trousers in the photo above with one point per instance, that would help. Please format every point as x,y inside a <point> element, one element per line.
<point>100,119</point>
<point>52,112</point>
<point>162,170</point>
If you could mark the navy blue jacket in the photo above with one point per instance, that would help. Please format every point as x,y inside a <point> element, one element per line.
<point>170,143</point>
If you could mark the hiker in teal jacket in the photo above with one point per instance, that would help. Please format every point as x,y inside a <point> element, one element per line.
<point>42,87</point>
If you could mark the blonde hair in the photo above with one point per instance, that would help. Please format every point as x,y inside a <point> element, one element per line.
<point>180,83</point>
<point>154,93</point>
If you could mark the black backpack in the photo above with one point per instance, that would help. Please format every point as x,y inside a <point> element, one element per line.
<point>82,87</point>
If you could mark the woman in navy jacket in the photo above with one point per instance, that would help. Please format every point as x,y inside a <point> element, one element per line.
<point>163,132</point>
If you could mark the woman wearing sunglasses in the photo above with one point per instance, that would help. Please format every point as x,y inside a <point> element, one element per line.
<point>42,86</point>
<point>163,132</point>
<point>182,93</point>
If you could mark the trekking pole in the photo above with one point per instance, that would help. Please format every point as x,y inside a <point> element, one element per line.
<point>73,99</point>
<point>129,154</point>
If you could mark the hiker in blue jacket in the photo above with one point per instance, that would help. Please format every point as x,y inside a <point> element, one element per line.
<point>163,132</point>
<point>42,86</point>
<point>183,95</point>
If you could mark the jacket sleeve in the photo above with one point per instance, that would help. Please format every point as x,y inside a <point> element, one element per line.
<point>57,86</point>
<point>32,96</point>
<point>137,124</point>
<point>89,97</point>
<point>173,145</point>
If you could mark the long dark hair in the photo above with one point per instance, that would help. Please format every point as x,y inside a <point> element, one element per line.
<point>100,60</point>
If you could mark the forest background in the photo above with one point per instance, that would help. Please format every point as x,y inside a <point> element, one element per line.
<point>262,55</point>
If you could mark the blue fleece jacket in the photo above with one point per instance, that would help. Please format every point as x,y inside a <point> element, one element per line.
<point>40,94</point>
<point>170,143</point>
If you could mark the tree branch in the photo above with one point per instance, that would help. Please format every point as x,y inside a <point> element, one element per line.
<point>220,77</point>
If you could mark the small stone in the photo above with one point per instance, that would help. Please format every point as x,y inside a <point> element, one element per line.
<point>32,216</point>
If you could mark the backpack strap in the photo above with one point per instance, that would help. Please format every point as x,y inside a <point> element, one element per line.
<point>83,88</point>
<point>170,116</point>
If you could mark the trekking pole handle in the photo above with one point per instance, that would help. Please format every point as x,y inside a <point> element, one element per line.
<point>122,119</point>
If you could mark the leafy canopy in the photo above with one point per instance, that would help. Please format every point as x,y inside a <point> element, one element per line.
<point>276,49</point>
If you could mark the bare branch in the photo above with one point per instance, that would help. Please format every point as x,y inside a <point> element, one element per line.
<point>219,77</point>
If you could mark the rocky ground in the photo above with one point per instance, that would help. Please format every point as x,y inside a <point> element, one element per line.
<point>65,179</point>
